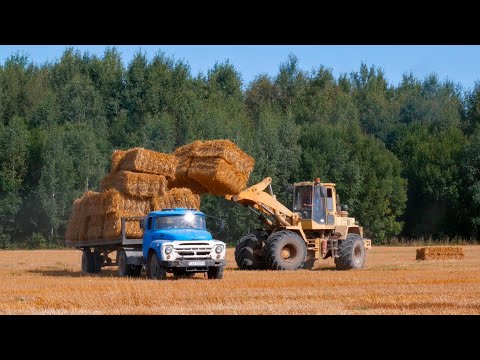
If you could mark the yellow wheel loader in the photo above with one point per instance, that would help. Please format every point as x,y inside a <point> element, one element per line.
<point>317,228</point>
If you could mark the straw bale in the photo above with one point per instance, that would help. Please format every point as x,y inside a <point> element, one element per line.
<point>116,202</point>
<point>136,184</point>
<point>116,157</point>
<point>183,181</point>
<point>71,233</point>
<point>94,227</point>
<point>187,150</point>
<point>226,150</point>
<point>176,198</point>
<point>217,176</point>
<point>150,162</point>
<point>440,253</point>
<point>112,227</point>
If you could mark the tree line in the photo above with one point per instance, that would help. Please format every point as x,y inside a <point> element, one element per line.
<point>405,158</point>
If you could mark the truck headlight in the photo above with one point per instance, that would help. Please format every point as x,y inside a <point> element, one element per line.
<point>219,249</point>
<point>168,250</point>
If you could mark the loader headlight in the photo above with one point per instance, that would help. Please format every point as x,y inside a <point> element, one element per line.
<point>219,249</point>
<point>168,250</point>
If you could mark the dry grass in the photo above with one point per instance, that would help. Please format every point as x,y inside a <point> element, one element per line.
<point>49,282</point>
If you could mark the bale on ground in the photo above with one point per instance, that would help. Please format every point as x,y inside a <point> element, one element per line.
<point>116,157</point>
<point>112,227</point>
<point>150,162</point>
<point>217,176</point>
<point>226,150</point>
<point>136,184</point>
<point>115,202</point>
<point>176,198</point>
<point>440,253</point>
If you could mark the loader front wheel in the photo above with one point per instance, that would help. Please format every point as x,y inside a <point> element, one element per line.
<point>285,250</point>
<point>248,252</point>
<point>351,253</point>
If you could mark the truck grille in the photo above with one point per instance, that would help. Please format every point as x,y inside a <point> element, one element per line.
<point>193,250</point>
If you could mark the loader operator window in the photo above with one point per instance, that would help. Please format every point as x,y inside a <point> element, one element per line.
<point>302,201</point>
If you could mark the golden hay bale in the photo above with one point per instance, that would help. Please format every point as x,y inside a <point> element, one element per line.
<point>71,233</point>
<point>176,198</point>
<point>116,157</point>
<point>112,227</point>
<point>187,150</point>
<point>115,202</point>
<point>217,176</point>
<point>440,253</point>
<point>226,150</point>
<point>183,181</point>
<point>136,184</point>
<point>150,162</point>
<point>92,203</point>
<point>94,227</point>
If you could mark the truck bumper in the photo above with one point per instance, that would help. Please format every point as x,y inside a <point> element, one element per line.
<point>194,264</point>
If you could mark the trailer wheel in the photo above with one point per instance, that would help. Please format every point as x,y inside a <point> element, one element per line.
<point>215,272</point>
<point>154,270</point>
<point>97,262</point>
<point>123,268</point>
<point>87,262</point>
<point>351,253</point>
<point>285,250</point>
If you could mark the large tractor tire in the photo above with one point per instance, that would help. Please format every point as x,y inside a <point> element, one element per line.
<point>154,270</point>
<point>87,262</point>
<point>351,253</point>
<point>247,254</point>
<point>285,250</point>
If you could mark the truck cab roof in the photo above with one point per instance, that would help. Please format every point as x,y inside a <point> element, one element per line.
<point>175,211</point>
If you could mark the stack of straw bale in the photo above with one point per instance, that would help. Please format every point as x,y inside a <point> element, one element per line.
<point>218,167</point>
<point>142,180</point>
<point>440,253</point>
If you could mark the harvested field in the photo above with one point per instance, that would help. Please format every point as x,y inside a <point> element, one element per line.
<point>50,282</point>
<point>150,162</point>
<point>136,184</point>
<point>440,253</point>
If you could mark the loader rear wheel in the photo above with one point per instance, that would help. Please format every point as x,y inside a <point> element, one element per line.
<point>351,253</point>
<point>155,271</point>
<point>248,254</point>
<point>285,250</point>
<point>87,262</point>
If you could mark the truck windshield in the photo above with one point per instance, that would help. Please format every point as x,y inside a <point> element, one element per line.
<point>187,221</point>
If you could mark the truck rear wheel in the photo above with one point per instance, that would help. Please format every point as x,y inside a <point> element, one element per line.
<point>87,262</point>
<point>125,269</point>
<point>97,262</point>
<point>154,270</point>
<point>351,253</point>
<point>285,250</point>
<point>215,272</point>
<point>247,251</point>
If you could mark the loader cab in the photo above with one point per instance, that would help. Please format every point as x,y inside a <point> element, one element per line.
<point>315,202</point>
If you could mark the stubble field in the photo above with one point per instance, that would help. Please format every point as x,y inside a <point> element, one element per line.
<point>50,282</point>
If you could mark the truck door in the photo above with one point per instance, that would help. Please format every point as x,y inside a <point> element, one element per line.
<point>147,235</point>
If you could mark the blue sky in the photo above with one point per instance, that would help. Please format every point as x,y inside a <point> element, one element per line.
<point>460,64</point>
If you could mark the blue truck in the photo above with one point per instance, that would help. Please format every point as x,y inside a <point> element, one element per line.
<point>174,241</point>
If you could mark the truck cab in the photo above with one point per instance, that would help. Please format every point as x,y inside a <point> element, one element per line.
<point>177,241</point>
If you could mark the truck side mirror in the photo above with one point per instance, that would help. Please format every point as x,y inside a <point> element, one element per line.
<point>142,223</point>
<point>344,207</point>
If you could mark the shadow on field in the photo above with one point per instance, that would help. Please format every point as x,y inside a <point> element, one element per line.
<point>69,273</point>
<point>103,273</point>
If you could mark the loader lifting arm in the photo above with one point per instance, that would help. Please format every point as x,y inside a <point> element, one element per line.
<point>255,197</point>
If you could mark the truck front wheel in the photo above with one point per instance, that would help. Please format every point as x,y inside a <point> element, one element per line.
<point>154,270</point>
<point>215,273</point>
<point>87,262</point>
